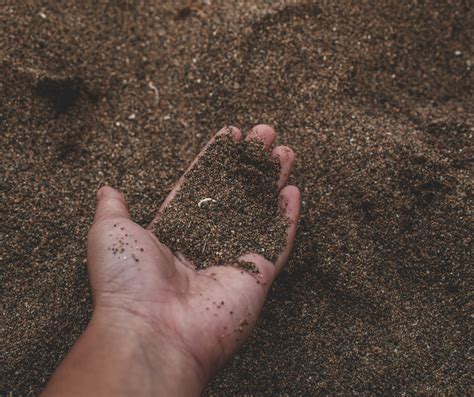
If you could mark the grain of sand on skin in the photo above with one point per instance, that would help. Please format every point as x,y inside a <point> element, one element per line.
<point>376,100</point>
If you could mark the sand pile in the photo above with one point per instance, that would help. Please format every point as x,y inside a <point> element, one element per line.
<point>376,100</point>
<point>227,207</point>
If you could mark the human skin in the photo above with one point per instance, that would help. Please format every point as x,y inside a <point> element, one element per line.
<point>152,331</point>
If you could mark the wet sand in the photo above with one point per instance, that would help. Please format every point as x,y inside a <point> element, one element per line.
<point>374,97</point>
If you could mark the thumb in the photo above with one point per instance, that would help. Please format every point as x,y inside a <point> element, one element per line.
<point>110,204</point>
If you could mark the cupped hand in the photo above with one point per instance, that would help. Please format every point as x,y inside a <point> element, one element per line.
<point>139,284</point>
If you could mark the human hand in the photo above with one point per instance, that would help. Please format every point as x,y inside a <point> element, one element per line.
<point>186,321</point>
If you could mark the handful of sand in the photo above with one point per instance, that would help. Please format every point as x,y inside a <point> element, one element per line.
<point>226,207</point>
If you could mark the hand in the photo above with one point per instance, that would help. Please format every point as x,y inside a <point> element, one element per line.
<point>186,323</point>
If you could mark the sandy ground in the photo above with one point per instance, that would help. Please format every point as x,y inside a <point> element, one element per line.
<point>375,97</point>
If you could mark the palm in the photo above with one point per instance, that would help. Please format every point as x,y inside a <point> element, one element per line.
<point>210,312</point>
<point>215,306</point>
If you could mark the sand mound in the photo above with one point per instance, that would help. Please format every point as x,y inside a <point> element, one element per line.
<point>231,206</point>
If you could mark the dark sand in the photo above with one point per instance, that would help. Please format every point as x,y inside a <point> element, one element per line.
<point>227,206</point>
<point>374,97</point>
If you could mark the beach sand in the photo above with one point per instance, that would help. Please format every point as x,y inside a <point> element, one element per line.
<point>375,98</point>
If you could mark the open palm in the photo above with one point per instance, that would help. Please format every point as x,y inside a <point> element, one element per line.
<point>205,314</point>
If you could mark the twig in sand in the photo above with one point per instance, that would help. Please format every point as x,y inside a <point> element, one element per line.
<point>204,247</point>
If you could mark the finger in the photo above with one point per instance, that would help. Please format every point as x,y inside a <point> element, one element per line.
<point>110,204</point>
<point>290,203</point>
<point>263,133</point>
<point>286,157</point>
<point>233,132</point>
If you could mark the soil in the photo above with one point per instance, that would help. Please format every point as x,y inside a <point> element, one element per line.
<point>227,207</point>
<point>375,98</point>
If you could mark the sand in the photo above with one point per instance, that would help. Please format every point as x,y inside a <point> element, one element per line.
<point>374,97</point>
<point>231,206</point>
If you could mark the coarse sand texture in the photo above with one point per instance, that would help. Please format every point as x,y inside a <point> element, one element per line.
<point>228,206</point>
<point>374,97</point>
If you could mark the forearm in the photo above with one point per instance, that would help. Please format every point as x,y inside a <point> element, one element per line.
<point>111,360</point>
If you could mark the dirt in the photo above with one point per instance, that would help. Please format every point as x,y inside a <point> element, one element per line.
<point>374,97</point>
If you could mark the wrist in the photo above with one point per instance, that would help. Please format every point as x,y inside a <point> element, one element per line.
<point>160,365</point>
<point>121,356</point>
